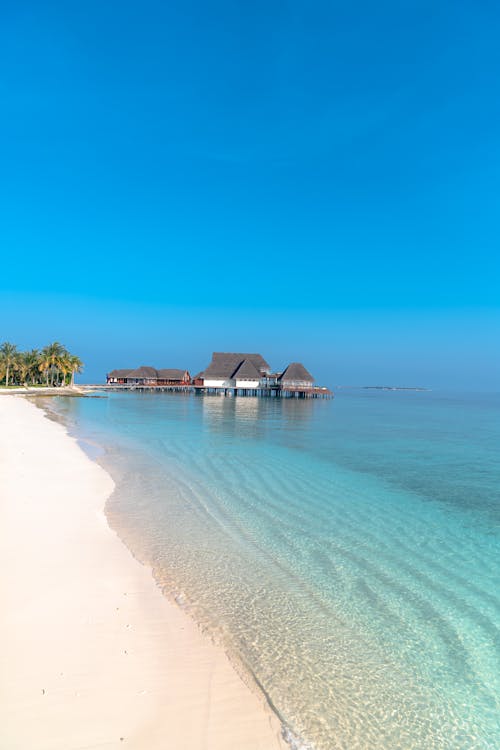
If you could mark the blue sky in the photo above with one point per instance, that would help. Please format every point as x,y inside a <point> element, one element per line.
<point>316,181</point>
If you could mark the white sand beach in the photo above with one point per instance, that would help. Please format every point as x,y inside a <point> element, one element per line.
<point>92,654</point>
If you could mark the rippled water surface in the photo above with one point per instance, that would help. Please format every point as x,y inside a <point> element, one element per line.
<point>347,551</point>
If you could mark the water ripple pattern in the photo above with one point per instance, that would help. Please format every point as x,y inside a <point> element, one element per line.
<point>346,553</point>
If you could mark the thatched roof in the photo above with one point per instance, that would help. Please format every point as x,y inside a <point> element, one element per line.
<point>119,373</point>
<point>296,372</point>
<point>171,374</point>
<point>225,364</point>
<point>148,373</point>
<point>247,371</point>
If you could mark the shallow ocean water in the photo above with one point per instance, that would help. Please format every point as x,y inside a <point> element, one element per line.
<point>345,552</point>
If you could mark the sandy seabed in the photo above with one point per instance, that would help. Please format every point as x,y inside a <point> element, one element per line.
<point>92,655</point>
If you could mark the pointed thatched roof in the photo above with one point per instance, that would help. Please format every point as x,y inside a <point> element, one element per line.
<point>225,364</point>
<point>119,373</point>
<point>246,371</point>
<point>297,373</point>
<point>148,373</point>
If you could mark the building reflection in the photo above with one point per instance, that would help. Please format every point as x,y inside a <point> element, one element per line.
<point>247,416</point>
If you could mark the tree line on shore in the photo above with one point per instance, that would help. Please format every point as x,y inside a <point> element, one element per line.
<point>51,366</point>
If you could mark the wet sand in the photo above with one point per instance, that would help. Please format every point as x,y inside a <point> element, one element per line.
<point>92,654</point>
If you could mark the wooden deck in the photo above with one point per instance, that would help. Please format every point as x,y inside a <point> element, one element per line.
<point>268,392</point>
<point>137,387</point>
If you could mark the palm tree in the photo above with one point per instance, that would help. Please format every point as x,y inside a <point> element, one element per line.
<point>64,367</point>
<point>22,367</point>
<point>44,364</point>
<point>8,356</point>
<point>28,365</point>
<point>69,363</point>
<point>54,361</point>
<point>75,365</point>
<point>51,358</point>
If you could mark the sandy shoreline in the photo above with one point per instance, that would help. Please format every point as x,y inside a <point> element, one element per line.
<point>93,656</point>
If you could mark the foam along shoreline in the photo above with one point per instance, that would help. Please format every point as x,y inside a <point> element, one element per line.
<point>92,654</point>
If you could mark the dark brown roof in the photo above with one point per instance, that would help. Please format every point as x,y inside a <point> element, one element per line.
<point>224,364</point>
<point>143,372</point>
<point>119,373</point>
<point>171,374</point>
<point>247,371</point>
<point>296,372</point>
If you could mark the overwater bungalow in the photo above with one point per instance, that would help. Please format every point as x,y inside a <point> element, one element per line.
<point>243,374</point>
<point>142,376</point>
<point>235,370</point>
<point>117,377</point>
<point>173,376</point>
<point>149,376</point>
<point>230,374</point>
<point>296,376</point>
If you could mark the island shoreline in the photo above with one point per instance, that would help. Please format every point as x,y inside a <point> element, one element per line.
<point>98,654</point>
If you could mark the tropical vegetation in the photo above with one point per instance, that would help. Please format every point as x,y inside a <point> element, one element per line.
<point>52,366</point>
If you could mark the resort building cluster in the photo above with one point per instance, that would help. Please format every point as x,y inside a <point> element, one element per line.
<point>149,376</point>
<point>229,373</point>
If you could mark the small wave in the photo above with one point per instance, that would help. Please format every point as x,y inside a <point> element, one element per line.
<point>296,743</point>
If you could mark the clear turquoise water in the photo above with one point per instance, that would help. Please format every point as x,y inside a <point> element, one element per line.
<point>346,552</point>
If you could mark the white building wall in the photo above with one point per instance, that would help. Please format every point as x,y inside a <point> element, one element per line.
<point>247,383</point>
<point>219,383</point>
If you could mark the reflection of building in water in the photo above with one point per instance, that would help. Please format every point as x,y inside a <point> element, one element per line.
<point>253,416</point>
<point>247,409</point>
<point>235,415</point>
<point>296,410</point>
